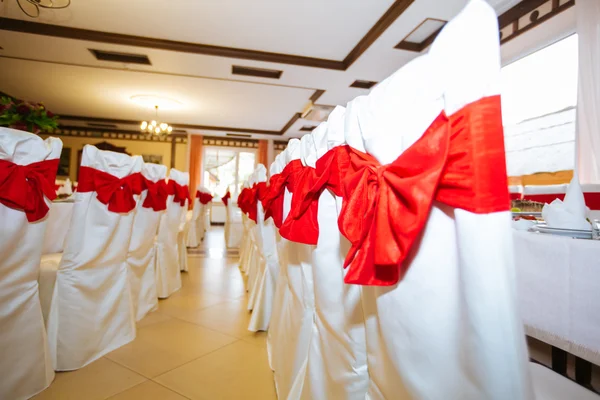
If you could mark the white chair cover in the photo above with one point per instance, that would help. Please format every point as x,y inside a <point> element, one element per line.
<point>199,226</point>
<point>246,243</point>
<point>450,329</point>
<point>337,365</point>
<point>233,225</point>
<point>184,226</point>
<point>92,310</point>
<point>256,260</point>
<point>193,235</point>
<point>290,344</point>
<point>25,361</point>
<point>264,287</point>
<point>59,220</point>
<point>140,258</point>
<point>168,275</point>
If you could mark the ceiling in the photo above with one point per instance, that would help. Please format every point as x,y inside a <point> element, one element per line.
<point>320,47</point>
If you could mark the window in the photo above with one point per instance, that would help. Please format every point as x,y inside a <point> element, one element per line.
<point>539,99</point>
<point>226,169</point>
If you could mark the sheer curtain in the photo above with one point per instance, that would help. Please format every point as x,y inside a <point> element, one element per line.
<point>588,101</point>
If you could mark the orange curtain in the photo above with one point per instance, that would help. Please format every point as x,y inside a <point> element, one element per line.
<point>263,150</point>
<point>195,164</point>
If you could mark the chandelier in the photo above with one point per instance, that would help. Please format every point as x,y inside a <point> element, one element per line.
<point>32,7</point>
<point>155,127</point>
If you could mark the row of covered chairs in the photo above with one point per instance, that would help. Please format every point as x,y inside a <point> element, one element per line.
<point>121,252</point>
<point>379,250</point>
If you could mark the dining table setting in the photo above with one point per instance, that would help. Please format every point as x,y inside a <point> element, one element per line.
<point>558,277</point>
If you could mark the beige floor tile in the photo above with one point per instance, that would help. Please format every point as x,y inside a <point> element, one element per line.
<point>148,391</point>
<point>163,346</point>
<point>257,338</point>
<point>230,318</point>
<point>238,371</point>
<point>99,380</point>
<point>152,318</point>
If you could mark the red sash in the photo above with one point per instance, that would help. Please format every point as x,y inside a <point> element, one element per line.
<point>115,192</point>
<point>301,224</point>
<point>157,195</point>
<point>255,195</point>
<point>225,199</point>
<point>180,193</point>
<point>23,187</point>
<point>204,198</point>
<point>459,161</point>
<point>272,200</point>
<point>243,200</point>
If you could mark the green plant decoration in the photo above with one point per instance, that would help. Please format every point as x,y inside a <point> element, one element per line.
<point>25,116</point>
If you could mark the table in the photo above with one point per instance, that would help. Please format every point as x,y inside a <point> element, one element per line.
<point>558,283</point>
<point>59,220</point>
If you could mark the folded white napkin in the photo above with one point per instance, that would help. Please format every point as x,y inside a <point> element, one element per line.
<point>523,224</point>
<point>570,213</point>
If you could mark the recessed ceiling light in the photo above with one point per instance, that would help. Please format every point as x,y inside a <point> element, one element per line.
<point>148,100</point>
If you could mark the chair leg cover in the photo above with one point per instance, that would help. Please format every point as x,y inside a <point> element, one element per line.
<point>168,275</point>
<point>337,363</point>
<point>25,359</point>
<point>94,276</point>
<point>140,260</point>
<point>295,326</point>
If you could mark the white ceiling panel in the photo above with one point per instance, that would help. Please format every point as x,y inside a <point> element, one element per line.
<point>323,29</point>
<point>100,93</point>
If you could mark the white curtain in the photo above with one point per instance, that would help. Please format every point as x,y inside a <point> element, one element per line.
<point>588,101</point>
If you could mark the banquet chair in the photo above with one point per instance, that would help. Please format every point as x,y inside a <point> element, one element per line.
<point>28,168</point>
<point>337,358</point>
<point>191,239</point>
<point>203,221</point>
<point>544,193</point>
<point>141,254</point>
<point>184,225</point>
<point>266,278</point>
<point>233,225</point>
<point>255,257</point>
<point>92,311</point>
<point>196,230</point>
<point>440,301</point>
<point>167,267</point>
<point>290,348</point>
<point>516,192</point>
<point>246,242</point>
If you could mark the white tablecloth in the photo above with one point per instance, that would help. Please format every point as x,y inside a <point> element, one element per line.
<point>558,280</point>
<point>59,219</point>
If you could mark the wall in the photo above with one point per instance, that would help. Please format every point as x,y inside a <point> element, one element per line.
<point>134,147</point>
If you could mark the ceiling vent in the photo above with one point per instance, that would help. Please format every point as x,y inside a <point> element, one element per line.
<point>307,128</point>
<point>125,58</point>
<point>360,84</point>
<point>238,135</point>
<point>422,36</point>
<point>316,112</point>
<point>256,72</point>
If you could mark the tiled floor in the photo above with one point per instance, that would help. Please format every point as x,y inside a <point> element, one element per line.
<point>196,346</point>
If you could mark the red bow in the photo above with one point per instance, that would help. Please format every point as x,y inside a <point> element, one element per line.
<point>23,187</point>
<point>204,198</point>
<point>115,192</point>
<point>180,193</point>
<point>255,195</point>
<point>226,198</point>
<point>157,195</point>
<point>243,200</point>
<point>272,199</point>
<point>459,161</point>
